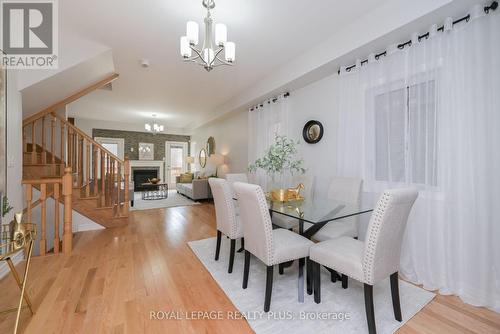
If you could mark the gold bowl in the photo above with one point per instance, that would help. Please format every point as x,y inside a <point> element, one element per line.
<point>154,180</point>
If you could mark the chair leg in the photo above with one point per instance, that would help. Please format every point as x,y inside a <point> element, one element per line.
<point>316,282</point>
<point>231,255</point>
<point>333,276</point>
<point>395,296</point>
<point>301,280</point>
<point>269,288</point>
<point>344,281</point>
<point>309,276</point>
<point>217,248</point>
<point>370,312</point>
<point>246,269</point>
<point>242,248</point>
<point>281,269</point>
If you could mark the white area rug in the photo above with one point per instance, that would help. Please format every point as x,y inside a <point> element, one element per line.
<point>174,199</point>
<point>287,315</point>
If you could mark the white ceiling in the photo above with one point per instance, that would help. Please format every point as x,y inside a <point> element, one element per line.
<point>267,34</point>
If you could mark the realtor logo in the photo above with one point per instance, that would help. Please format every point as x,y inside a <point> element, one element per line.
<point>29,34</point>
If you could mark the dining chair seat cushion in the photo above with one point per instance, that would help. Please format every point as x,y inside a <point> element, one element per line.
<point>336,229</point>
<point>344,254</point>
<point>284,221</point>
<point>289,246</point>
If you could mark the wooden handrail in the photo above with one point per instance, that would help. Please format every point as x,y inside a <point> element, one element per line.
<point>42,181</point>
<point>70,98</point>
<point>87,137</point>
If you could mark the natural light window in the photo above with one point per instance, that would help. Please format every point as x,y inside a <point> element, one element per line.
<point>405,135</point>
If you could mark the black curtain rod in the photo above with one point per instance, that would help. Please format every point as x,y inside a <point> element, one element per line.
<point>487,9</point>
<point>274,99</point>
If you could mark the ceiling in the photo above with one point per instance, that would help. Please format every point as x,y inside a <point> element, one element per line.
<point>267,34</point>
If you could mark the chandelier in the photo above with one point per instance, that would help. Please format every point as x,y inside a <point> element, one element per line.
<point>209,56</point>
<point>153,127</point>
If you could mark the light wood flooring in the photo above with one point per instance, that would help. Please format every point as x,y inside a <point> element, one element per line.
<point>115,277</point>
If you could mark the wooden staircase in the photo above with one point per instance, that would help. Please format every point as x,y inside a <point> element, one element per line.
<point>51,144</point>
<point>62,162</point>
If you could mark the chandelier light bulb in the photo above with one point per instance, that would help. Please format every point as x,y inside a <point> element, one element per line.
<point>230,52</point>
<point>192,32</point>
<point>220,34</point>
<point>185,49</point>
<point>208,56</point>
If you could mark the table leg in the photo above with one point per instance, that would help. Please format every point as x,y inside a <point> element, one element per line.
<point>301,280</point>
<point>19,283</point>
<point>25,279</point>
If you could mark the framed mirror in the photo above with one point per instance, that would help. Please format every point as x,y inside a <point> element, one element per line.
<point>202,158</point>
<point>312,132</point>
<point>210,146</point>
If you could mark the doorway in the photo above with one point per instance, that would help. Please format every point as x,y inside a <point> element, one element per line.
<point>175,161</point>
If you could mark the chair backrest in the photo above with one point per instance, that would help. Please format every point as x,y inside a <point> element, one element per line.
<point>385,234</point>
<point>236,177</point>
<point>225,213</point>
<point>345,189</point>
<point>257,226</point>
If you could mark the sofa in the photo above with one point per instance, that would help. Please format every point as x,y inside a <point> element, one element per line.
<point>196,189</point>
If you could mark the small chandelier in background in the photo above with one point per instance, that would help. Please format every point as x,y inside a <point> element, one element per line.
<point>209,54</point>
<point>153,127</point>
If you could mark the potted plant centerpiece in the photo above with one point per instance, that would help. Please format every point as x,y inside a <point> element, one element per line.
<point>278,162</point>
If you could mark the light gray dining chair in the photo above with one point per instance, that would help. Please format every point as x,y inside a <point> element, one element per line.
<point>376,258</point>
<point>228,223</point>
<point>344,190</point>
<point>270,246</point>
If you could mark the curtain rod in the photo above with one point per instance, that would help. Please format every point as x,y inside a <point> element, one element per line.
<point>487,9</point>
<point>273,100</point>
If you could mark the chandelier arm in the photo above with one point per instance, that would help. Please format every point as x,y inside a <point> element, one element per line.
<point>223,62</point>
<point>216,55</point>
<point>198,54</point>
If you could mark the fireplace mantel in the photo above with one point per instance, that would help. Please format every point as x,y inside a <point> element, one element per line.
<point>148,163</point>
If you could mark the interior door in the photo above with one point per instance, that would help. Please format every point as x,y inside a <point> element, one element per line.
<point>175,161</point>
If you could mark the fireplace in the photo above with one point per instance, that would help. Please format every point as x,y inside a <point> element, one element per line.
<point>141,175</point>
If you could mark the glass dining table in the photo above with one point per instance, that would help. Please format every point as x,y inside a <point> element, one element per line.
<point>317,212</point>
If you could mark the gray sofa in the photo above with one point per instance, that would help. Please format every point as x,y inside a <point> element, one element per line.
<point>197,189</point>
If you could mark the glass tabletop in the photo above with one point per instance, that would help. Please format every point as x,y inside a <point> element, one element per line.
<point>317,211</point>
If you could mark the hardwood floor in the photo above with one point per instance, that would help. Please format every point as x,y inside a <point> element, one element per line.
<point>115,277</point>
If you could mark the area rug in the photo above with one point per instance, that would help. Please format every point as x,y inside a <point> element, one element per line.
<point>174,199</point>
<point>340,310</point>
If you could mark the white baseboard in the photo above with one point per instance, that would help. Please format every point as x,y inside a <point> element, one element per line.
<point>4,267</point>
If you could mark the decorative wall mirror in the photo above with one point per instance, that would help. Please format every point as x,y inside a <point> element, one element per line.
<point>312,132</point>
<point>202,158</point>
<point>210,146</point>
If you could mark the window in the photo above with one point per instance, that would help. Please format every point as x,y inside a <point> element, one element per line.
<point>114,145</point>
<point>405,135</point>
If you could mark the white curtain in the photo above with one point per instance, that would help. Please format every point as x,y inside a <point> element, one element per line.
<point>429,116</point>
<point>265,122</point>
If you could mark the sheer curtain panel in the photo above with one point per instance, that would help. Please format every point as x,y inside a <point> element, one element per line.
<point>429,116</point>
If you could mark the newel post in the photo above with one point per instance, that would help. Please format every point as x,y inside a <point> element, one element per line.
<point>67,189</point>
<point>126,172</point>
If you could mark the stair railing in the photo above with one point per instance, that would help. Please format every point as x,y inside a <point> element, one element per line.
<point>56,188</point>
<point>53,143</point>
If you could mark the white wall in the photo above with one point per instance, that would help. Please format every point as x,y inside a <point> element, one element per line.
<point>230,134</point>
<point>317,101</point>
<point>14,145</point>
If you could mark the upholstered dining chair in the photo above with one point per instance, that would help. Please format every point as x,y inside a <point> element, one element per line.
<point>236,177</point>
<point>344,190</point>
<point>376,258</point>
<point>228,222</point>
<point>288,222</point>
<point>270,246</point>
